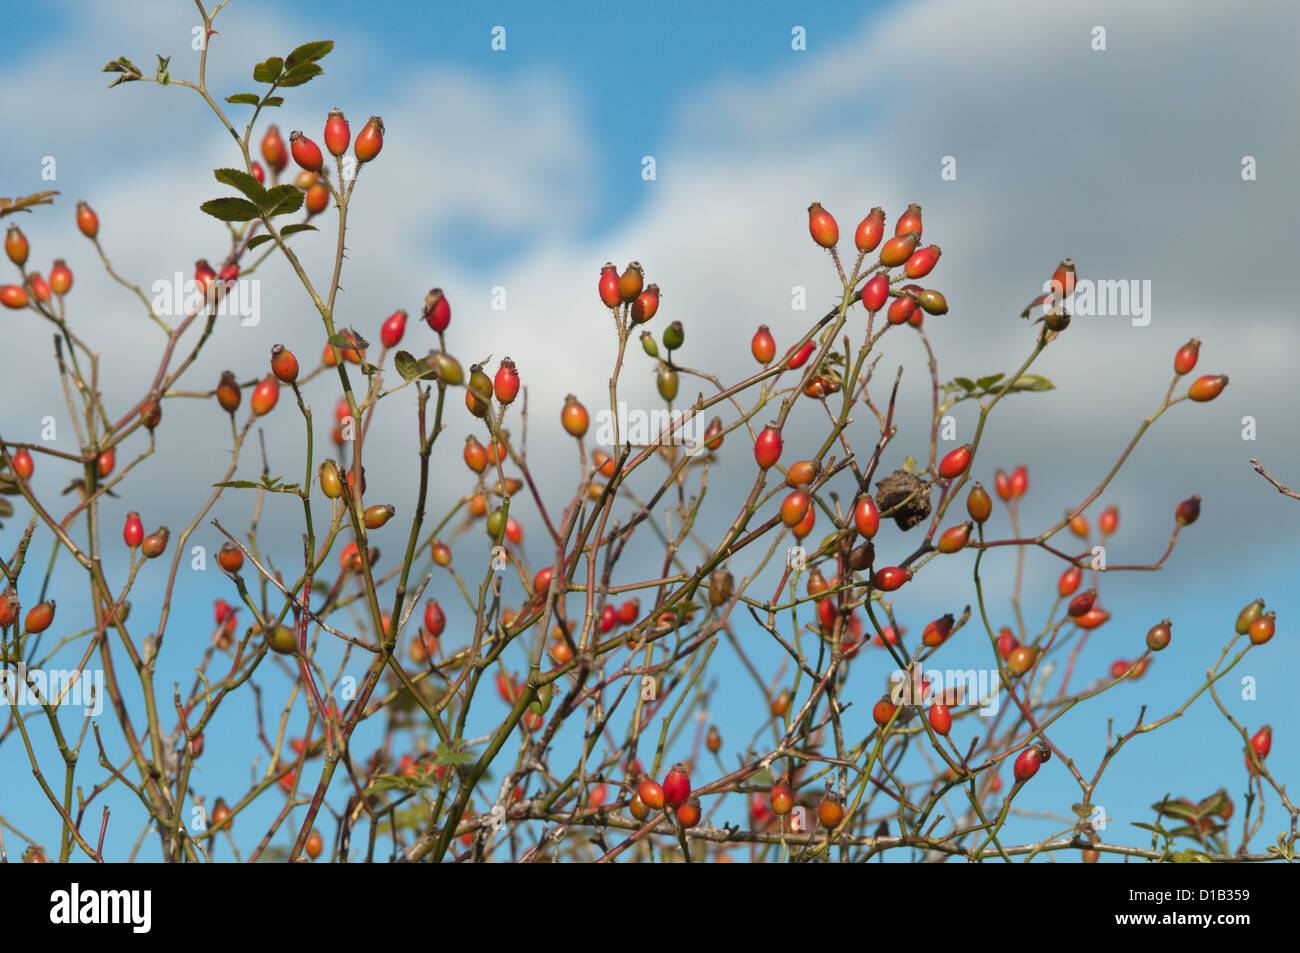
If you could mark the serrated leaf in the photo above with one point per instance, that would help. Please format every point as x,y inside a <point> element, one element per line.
<point>121,65</point>
<point>252,189</point>
<point>268,71</point>
<point>273,101</point>
<point>411,367</point>
<point>282,200</point>
<point>1031,382</point>
<point>257,240</point>
<point>965,383</point>
<point>309,52</point>
<point>1184,812</point>
<point>231,209</point>
<point>351,341</point>
<point>250,99</point>
<point>295,229</point>
<point>299,75</point>
<point>984,383</point>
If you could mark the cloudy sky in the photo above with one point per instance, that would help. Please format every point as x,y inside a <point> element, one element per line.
<point>522,169</point>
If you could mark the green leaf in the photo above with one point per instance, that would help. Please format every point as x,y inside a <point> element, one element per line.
<point>273,101</point>
<point>411,367</point>
<point>1191,857</point>
<point>299,75</point>
<point>257,240</point>
<point>282,200</point>
<point>1031,382</point>
<point>296,228</point>
<point>251,99</point>
<point>309,52</point>
<point>1213,805</point>
<point>352,341</point>
<point>965,383</point>
<point>1184,812</point>
<point>444,755</point>
<point>268,71</point>
<point>1154,828</point>
<point>6,508</point>
<point>984,383</point>
<point>240,485</point>
<point>121,65</point>
<point>163,76</point>
<point>231,209</point>
<point>252,189</point>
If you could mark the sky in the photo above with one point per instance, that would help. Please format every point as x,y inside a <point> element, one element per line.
<point>522,169</point>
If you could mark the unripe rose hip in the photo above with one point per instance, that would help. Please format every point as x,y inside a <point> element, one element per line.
<point>16,245</point>
<point>60,277</point>
<point>795,508</point>
<point>870,230</point>
<point>909,221</point>
<point>1248,615</point>
<point>781,797</point>
<point>937,632</point>
<point>228,392</point>
<point>23,464</point>
<point>645,305</point>
<point>1188,511</point>
<point>1261,630</point>
<point>1021,659</point>
<point>830,811</point>
<point>13,296</point>
<point>155,544</point>
<point>954,539</point>
<point>87,220</point>
<point>630,282</point>
<point>1158,636</point>
<point>574,417</point>
<point>1207,388</point>
<point>379,514</point>
<point>369,140</point>
<point>1185,358</point>
<point>978,503</point>
<point>230,557</point>
<point>283,364</point>
<point>265,395</point>
<point>305,152</point>
<point>897,250</point>
<point>822,226</point>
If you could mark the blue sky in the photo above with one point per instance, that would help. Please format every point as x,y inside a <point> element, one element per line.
<point>522,170</point>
